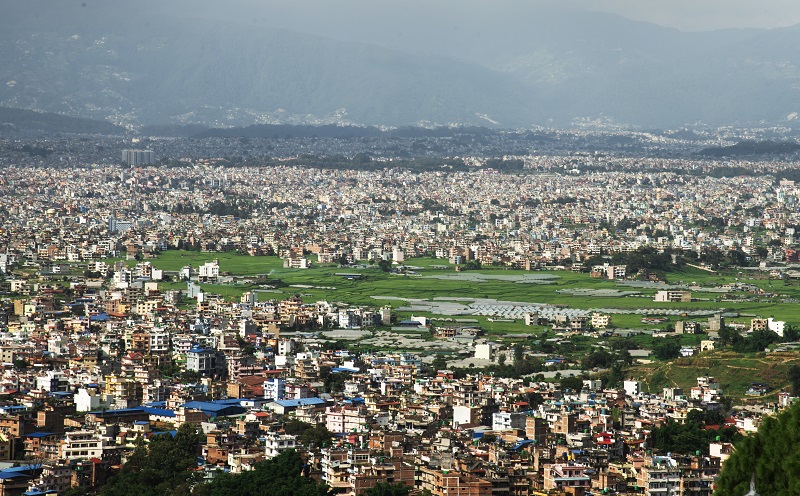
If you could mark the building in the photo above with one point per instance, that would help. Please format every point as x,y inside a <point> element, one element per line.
<point>278,443</point>
<point>600,321</point>
<point>562,476</point>
<point>138,157</point>
<point>673,296</point>
<point>81,445</point>
<point>209,271</point>
<point>118,225</point>
<point>275,389</point>
<point>445,482</point>
<point>659,475</point>
<point>204,361</point>
<point>504,421</point>
<point>606,271</point>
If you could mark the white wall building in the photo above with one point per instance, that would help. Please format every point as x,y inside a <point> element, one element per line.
<point>278,443</point>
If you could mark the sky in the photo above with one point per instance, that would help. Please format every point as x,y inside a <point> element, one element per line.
<point>686,15</point>
<point>700,15</point>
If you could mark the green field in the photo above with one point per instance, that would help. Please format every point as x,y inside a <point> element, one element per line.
<point>174,260</point>
<point>735,371</point>
<point>322,283</point>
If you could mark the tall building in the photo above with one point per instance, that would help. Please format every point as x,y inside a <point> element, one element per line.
<point>119,225</point>
<point>138,157</point>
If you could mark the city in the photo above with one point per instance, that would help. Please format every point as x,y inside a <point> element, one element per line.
<point>542,323</point>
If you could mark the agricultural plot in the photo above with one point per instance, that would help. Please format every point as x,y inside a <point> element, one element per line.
<point>431,288</point>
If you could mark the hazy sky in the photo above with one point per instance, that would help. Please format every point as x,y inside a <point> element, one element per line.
<point>687,15</point>
<point>701,15</point>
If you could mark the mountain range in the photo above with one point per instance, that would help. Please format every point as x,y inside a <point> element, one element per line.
<point>508,65</point>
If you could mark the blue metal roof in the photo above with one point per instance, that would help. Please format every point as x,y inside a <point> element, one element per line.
<point>121,411</point>
<point>160,412</point>
<point>15,472</point>
<point>301,401</point>
<point>39,434</point>
<point>215,409</point>
<point>521,443</point>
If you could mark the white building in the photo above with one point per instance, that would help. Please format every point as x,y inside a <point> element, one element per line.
<point>278,443</point>
<point>159,340</point>
<point>632,387</point>
<point>201,360</point>
<point>89,399</point>
<point>209,271</point>
<point>600,321</point>
<point>483,351</point>
<point>504,421</point>
<point>81,445</point>
<point>463,414</point>
<point>776,326</point>
<point>52,381</point>
<point>275,389</point>
<point>398,255</point>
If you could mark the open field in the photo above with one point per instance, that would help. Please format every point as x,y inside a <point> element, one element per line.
<point>434,289</point>
<point>429,281</point>
<point>174,260</point>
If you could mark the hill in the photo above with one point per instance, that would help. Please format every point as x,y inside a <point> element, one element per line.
<point>736,372</point>
<point>751,148</point>
<point>508,65</point>
<point>28,120</point>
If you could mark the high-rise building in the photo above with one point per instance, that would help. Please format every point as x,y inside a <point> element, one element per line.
<point>138,157</point>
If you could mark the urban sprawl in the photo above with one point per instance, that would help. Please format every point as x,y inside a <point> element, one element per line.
<point>108,339</point>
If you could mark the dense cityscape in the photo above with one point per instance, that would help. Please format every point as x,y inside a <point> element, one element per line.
<point>427,315</point>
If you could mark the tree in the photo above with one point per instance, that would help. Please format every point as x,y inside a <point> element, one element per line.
<point>794,377</point>
<point>667,349</point>
<point>387,489</point>
<point>471,265</point>
<point>572,383</point>
<point>164,466</point>
<point>385,265</point>
<point>280,476</point>
<point>771,454</point>
<point>599,358</point>
<point>439,363</point>
<point>318,435</point>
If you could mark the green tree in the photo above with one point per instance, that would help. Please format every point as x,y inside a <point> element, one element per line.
<point>387,489</point>
<point>280,476</point>
<point>794,378</point>
<point>162,467</point>
<point>771,454</point>
<point>439,363</point>
<point>667,349</point>
<point>572,383</point>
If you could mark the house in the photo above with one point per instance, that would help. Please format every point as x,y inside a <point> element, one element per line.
<point>673,296</point>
